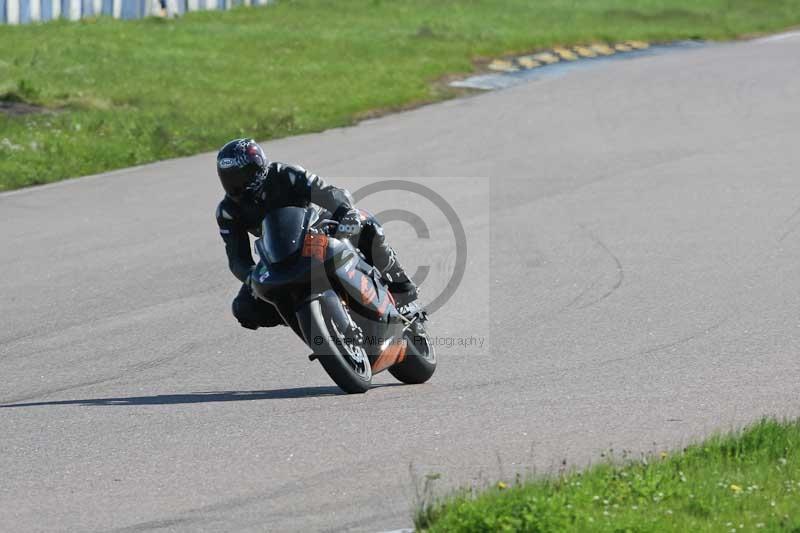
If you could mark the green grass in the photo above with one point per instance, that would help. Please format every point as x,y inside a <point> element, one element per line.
<point>126,93</point>
<point>746,481</point>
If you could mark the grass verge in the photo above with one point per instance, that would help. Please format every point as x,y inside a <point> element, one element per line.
<point>118,94</point>
<point>745,481</point>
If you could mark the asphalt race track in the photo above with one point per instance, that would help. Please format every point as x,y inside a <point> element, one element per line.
<point>633,272</point>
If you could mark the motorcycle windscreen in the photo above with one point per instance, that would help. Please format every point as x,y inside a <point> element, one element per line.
<point>282,233</point>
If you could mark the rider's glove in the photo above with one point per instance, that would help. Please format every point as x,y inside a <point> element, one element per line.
<point>349,224</point>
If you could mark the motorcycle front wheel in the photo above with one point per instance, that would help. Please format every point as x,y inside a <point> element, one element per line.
<point>326,332</point>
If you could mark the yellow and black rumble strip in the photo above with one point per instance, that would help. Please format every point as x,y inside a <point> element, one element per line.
<point>558,54</point>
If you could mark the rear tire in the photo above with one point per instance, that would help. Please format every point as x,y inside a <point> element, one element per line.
<point>420,362</point>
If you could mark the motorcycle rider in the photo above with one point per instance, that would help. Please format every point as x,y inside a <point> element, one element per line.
<point>254,185</point>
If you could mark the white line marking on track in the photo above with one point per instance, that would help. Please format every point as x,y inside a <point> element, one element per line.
<point>780,37</point>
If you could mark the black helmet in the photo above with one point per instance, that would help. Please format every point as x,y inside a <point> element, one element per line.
<point>240,163</point>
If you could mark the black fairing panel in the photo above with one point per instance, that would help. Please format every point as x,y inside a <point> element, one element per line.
<point>361,284</point>
<point>282,233</point>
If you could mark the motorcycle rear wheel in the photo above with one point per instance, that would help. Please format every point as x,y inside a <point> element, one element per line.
<point>420,362</point>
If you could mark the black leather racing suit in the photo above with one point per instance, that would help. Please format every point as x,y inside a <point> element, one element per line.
<point>288,185</point>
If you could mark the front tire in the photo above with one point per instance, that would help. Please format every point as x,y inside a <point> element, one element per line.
<point>347,365</point>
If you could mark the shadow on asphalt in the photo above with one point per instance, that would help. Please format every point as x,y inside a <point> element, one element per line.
<point>201,397</point>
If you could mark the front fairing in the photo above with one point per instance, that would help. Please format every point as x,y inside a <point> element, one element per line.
<point>272,282</point>
<point>291,254</point>
<point>282,233</point>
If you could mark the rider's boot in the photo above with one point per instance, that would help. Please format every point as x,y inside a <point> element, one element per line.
<point>403,289</point>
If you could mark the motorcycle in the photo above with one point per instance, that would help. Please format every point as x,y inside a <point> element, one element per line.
<point>338,303</point>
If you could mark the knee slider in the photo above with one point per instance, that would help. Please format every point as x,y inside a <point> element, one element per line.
<point>243,314</point>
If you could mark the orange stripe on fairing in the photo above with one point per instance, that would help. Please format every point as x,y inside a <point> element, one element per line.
<point>383,307</point>
<point>367,290</point>
<point>315,246</point>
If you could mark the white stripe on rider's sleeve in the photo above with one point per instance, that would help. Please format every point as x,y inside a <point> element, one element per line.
<point>221,213</point>
<point>224,231</point>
